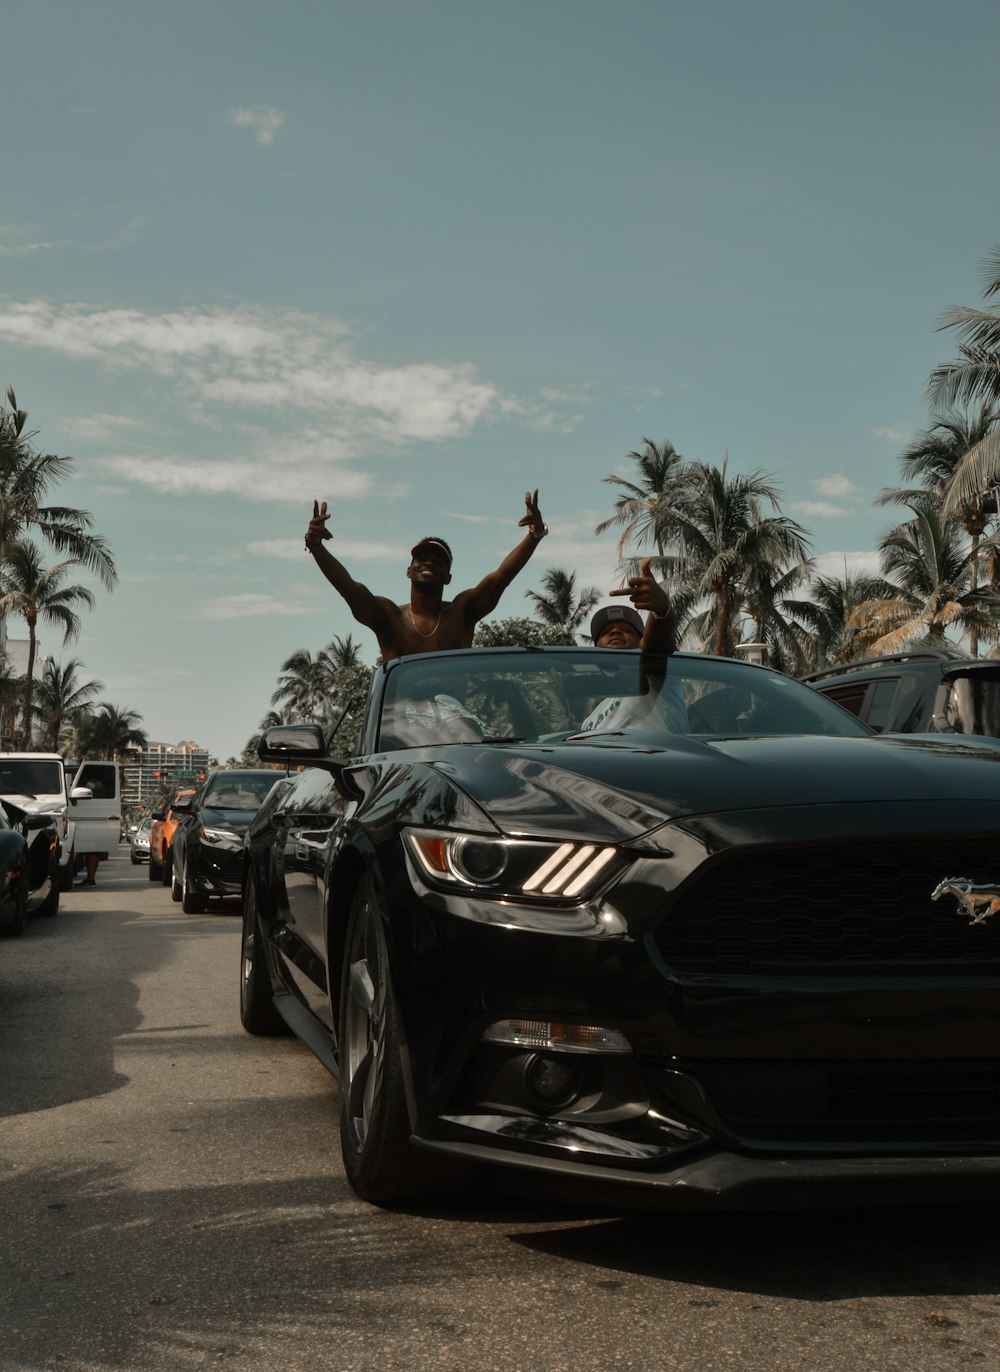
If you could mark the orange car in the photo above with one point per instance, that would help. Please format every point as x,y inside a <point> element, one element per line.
<point>161,836</point>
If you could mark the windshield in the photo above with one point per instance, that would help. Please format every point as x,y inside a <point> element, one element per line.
<point>30,777</point>
<point>239,790</point>
<point>581,693</point>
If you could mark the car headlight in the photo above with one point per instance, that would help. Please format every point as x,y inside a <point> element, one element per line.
<point>225,837</point>
<point>518,868</point>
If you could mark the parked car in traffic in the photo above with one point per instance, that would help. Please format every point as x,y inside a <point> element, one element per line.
<point>139,842</point>
<point>29,866</point>
<point>736,950</point>
<point>161,837</point>
<point>923,691</point>
<point>208,842</point>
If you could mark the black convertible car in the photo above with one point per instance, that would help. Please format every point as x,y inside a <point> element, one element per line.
<point>672,932</point>
<point>29,866</point>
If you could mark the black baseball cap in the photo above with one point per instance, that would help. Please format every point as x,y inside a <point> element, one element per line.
<point>431,541</point>
<point>608,614</point>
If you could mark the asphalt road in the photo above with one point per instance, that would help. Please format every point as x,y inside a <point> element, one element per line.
<point>171,1197</point>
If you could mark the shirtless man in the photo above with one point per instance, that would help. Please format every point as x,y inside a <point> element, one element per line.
<point>429,622</point>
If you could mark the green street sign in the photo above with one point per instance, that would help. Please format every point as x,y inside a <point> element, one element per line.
<point>186,776</point>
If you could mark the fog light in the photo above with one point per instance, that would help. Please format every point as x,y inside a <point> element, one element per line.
<point>552,1081</point>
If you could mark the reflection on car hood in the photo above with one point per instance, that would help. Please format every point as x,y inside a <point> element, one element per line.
<point>616,788</point>
<point>213,818</point>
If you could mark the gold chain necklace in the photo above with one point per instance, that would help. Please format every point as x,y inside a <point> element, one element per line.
<point>413,623</point>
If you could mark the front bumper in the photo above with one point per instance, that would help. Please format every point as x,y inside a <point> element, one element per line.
<point>767,1089</point>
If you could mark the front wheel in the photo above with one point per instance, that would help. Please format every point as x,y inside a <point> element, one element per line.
<point>380,1162</point>
<point>257,1012</point>
<point>191,902</point>
<point>166,870</point>
<point>155,869</point>
<point>19,923</point>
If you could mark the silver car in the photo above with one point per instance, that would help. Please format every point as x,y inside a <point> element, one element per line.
<point>140,842</point>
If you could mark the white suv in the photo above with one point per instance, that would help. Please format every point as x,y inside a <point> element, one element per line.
<point>88,816</point>
<point>36,783</point>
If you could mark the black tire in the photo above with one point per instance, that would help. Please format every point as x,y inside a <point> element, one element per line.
<point>380,1162</point>
<point>50,905</point>
<point>166,871</point>
<point>176,891</point>
<point>19,923</point>
<point>66,875</point>
<point>191,902</point>
<point>155,870</point>
<point>257,1012</point>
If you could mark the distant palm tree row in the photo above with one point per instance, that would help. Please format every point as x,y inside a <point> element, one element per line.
<point>56,712</point>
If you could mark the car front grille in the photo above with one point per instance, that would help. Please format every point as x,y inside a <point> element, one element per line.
<point>948,1102</point>
<point>839,909</point>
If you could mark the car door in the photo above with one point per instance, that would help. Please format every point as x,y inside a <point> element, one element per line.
<point>306,822</point>
<point>98,817</point>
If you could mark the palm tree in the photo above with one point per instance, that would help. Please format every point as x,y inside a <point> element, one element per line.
<point>728,549</point>
<point>343,652</point>
<point>560,602</point>
<point>645,509</point>
<point>59,694</point>
<point>108,731</point>
<point>37,593</point>
<point>304,683</point>
<point>935,456</point>
<point>25,478</point>
<point>928,567</point>
<point>826,616</point>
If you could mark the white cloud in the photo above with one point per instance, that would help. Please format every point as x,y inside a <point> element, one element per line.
<point>892,433</point>
<point>841,563</point>
<point>837,487</point>
<point>264,120</point>
<point>293,550</point>
<point>96,427</point>
<point>286,360</point>
<point>264,479</point>
<point>247,606</point>
<point>819,509</point>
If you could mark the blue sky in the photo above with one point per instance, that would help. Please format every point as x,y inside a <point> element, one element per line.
<point>415,258</point>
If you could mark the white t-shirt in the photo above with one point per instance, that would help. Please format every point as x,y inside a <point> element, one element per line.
<point>662,710</point>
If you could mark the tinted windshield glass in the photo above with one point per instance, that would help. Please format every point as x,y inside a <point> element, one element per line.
<point>28,776</point>
<point>590,692</point>
<point>239,790</point>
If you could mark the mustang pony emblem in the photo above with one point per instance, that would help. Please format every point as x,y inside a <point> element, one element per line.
<point>978,902</point>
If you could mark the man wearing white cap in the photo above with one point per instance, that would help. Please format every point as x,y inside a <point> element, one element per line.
<point>429,622</point>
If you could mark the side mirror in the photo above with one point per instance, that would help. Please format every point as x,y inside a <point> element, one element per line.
<point>38,821</point>
<point>159,814</point>
<point>181,807</point>
<point>80,793</point>
<point>304,745</point>
<point>292,743</point>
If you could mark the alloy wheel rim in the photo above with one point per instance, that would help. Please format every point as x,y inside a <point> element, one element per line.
<point>364,1048</point>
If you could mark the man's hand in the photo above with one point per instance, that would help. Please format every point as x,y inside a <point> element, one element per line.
<point>536,526</point>
<point>644,592</point>
<point>317,530</point>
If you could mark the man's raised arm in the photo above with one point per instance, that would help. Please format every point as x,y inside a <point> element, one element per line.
<point>660,633</point>
<point>482,599</point>
<point>364,606</point>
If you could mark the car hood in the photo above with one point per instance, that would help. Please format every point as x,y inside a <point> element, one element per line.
<point>237,820</point>
<point>616,788</point>
<point>31,805</point>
